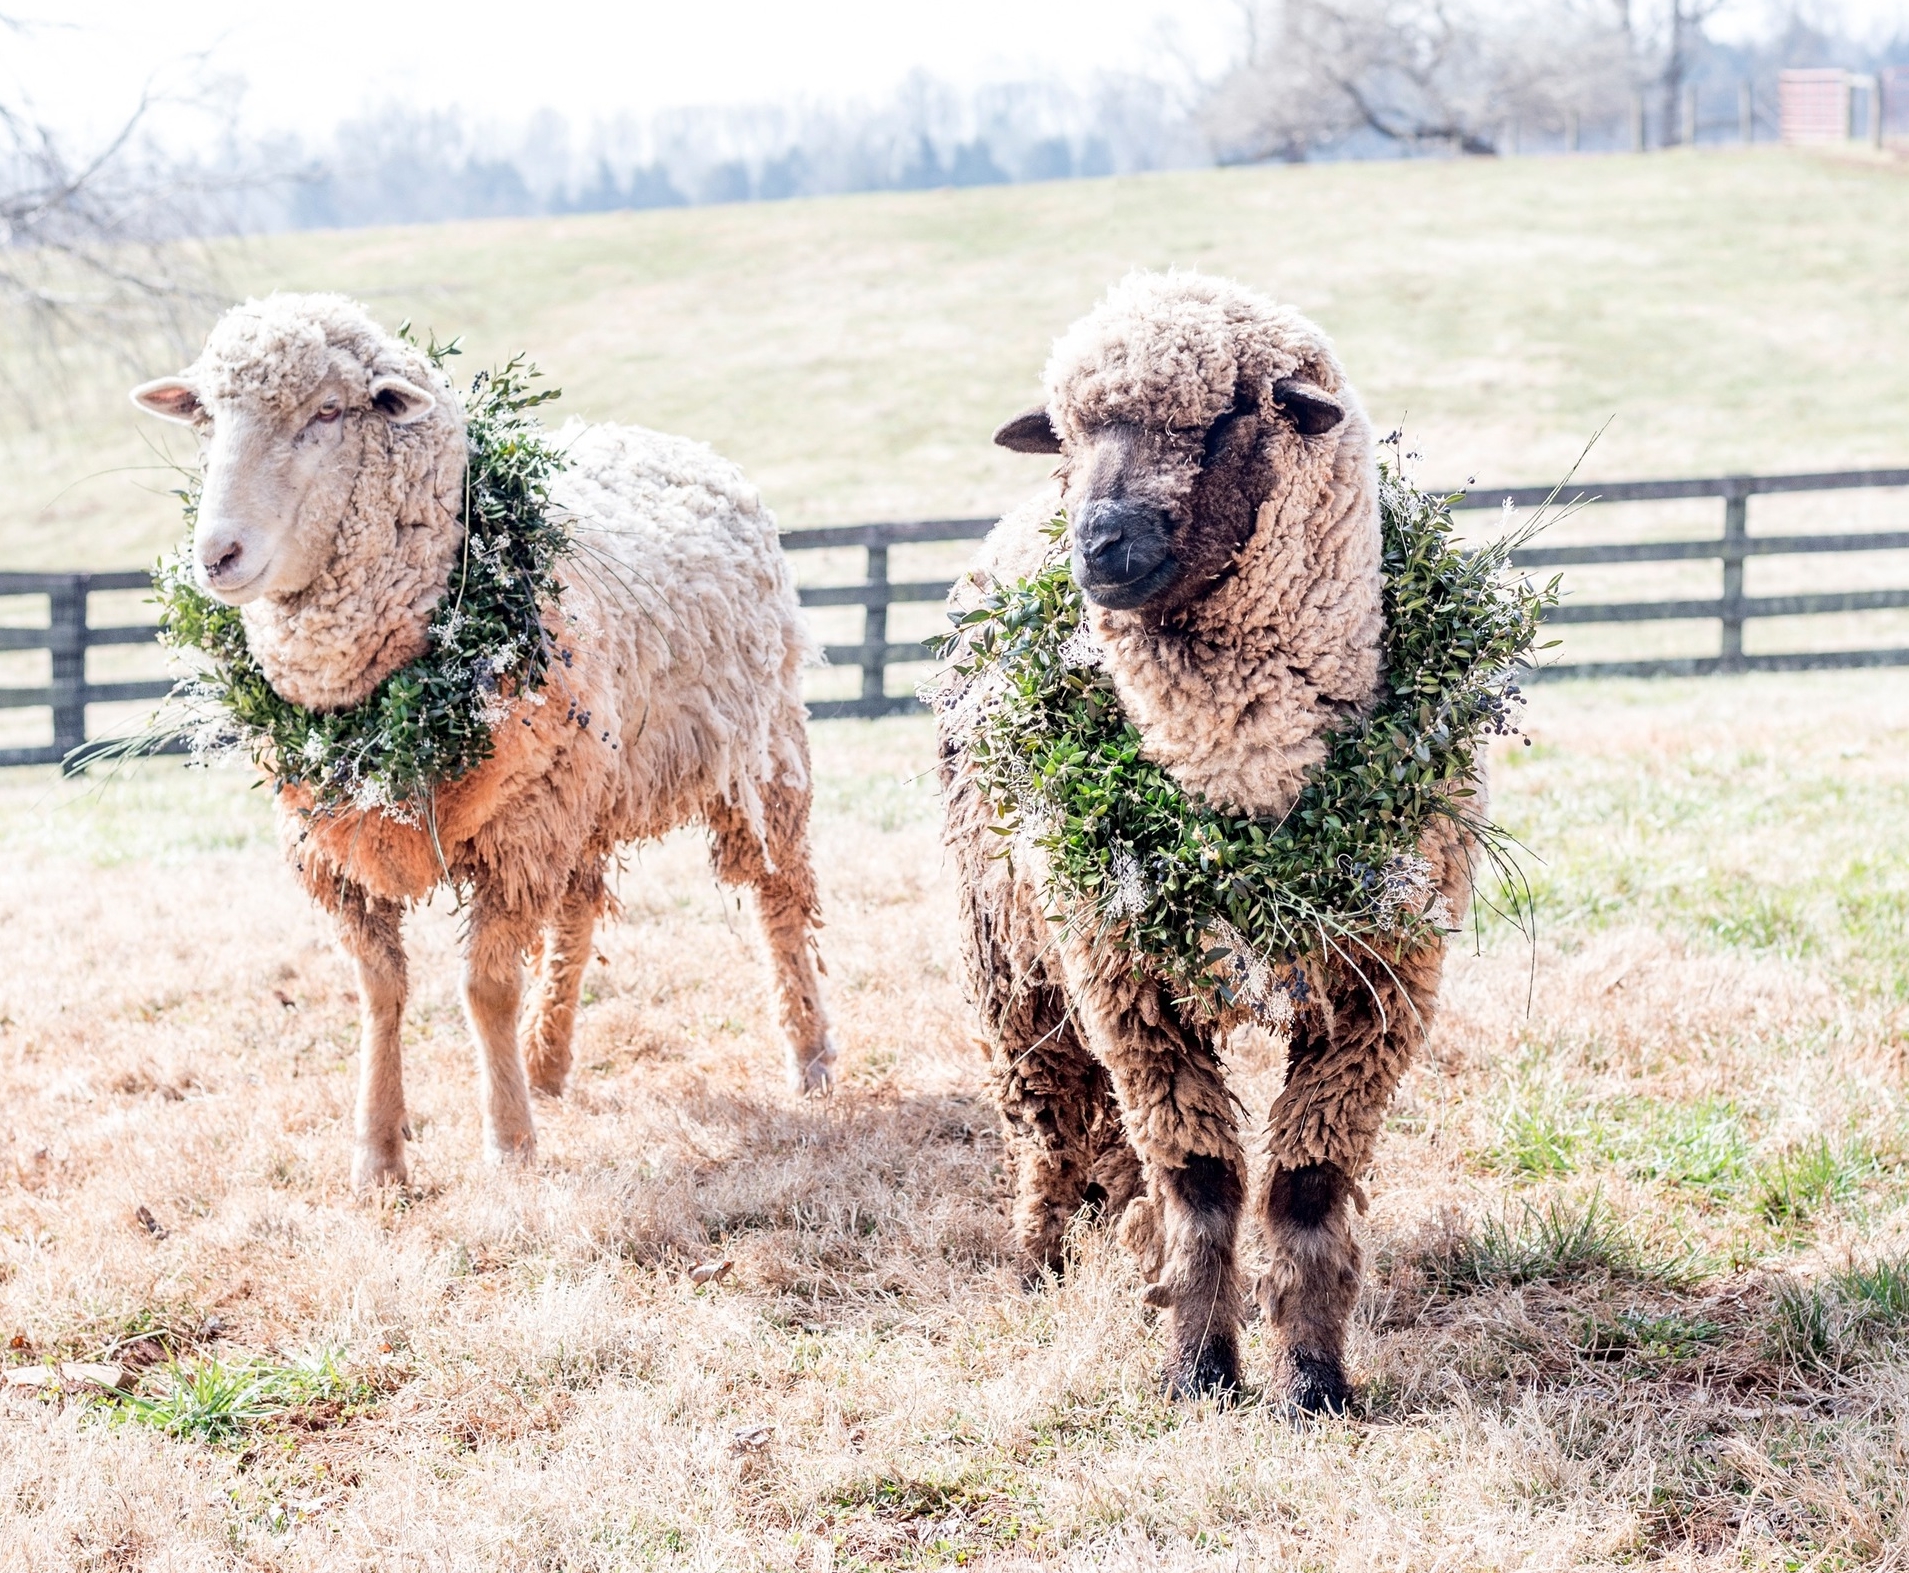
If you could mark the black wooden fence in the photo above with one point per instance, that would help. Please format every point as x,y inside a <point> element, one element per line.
<point>1731,609</point>
<point>68,633</point>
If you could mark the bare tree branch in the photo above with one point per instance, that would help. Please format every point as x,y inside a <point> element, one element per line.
<point>1414,73</point>
<point>102,240</point>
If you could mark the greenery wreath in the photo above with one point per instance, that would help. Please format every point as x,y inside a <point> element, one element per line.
<point>1226,906</point>
<point>429,722</point>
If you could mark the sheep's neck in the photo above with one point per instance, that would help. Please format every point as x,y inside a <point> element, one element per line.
<point>1235,696</point>
<point>367,614</point>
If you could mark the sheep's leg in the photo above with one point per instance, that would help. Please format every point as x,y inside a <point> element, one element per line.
<point>553,1009</point>
<point>1180,1119</point>
<point>776,863</point>
<point>1342,1070</point>
<point>493,989</point>
<point>372,931</point>
<point>1059,1121</point>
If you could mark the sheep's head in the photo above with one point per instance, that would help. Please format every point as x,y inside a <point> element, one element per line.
<point>1177,406</point>
<point>299,401</point>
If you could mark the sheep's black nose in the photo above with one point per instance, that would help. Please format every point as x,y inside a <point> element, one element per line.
<point>1121,539</point>
<point>1123,551</point>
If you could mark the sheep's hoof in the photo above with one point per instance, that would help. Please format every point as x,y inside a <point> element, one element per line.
<point>1213,1371</point>
<point>547,1065</point>
<point>1317,1384</point>
<point>373,1166</point>
<point>510,1152</point>
<point>816,1074</point>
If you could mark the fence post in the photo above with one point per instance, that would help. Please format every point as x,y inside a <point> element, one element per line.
<point>875,628</point>
<point>1736,530</point>
<point>66,640</point>
<point>1746,114</point>
<point>1690,115</point>
<point>1637,122</point>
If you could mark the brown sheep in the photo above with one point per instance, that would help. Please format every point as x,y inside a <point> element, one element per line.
<point>1219,480</point>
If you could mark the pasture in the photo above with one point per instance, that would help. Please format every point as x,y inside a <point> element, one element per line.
<point>1638,1252</point>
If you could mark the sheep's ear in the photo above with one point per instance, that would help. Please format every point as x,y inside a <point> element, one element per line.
<point>1029,432</point>
<point>170,398</point>
<point>1309,406</point>
<point>401,402</point>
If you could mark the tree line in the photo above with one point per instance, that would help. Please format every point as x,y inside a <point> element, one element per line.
<point>101,233</point>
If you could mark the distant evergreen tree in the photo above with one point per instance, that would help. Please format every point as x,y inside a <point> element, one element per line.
<point>974,165</point>
<point>1049,159</point>
<point>494,188</point>
<point>726,182</point>
<point>1096,158</point>
<point>651,187</point>
<point>924,170</point>
<point>604,194</point>
<point>784,177</point>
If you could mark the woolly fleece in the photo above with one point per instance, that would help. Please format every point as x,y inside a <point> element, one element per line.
<point>1234,699</point>
<point>1106,1083</point>
<point>674,697</point>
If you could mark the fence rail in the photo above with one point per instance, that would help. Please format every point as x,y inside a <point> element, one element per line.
<point>68,633</point>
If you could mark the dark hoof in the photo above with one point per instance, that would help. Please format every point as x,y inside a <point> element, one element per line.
<point>1213,1373</point>
<point>1318,1385</point>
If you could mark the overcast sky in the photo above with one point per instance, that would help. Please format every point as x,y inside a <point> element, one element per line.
<point>307,66</point>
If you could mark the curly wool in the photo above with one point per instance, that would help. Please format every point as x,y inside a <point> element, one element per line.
<point>679,645</point>
<point>676,683</point>
<point>1174,349</point>
<point>1234,697</point>
<point>399,511</point>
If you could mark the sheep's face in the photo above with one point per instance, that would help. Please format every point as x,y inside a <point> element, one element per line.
<point>279,468</point>
<point>1157,515</point>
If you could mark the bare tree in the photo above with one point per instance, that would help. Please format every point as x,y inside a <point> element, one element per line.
<point>102,243</point>
<point>1414,73</point>
<point>1683,39</point>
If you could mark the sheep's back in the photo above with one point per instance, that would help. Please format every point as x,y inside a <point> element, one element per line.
<point>684,600</point>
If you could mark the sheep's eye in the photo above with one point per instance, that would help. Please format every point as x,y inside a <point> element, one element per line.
<point>327,413</point>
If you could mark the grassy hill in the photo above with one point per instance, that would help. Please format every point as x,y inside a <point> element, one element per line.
<point>1723,311</point>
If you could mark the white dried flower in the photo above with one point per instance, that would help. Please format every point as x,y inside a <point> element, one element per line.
<point>1265,986</point>
<point>1132,892</point>
<point>1406,893</point>
<point>1079,651</point>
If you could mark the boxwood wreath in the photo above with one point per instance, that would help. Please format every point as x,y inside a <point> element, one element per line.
<point>1226,906</point>
<point>430,722</point>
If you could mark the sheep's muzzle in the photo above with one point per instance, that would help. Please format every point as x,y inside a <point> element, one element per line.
<point>1123,553</point>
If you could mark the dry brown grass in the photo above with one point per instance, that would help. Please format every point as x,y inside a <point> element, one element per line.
<point>1701,1104</point>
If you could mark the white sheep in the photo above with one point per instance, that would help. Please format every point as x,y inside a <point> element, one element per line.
<point>334,461</point>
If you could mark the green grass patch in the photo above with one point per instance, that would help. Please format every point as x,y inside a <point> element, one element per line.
<point>1814,1177</point>
<point>1556,1241</point>
<point>1653,1337</point>
<point>1540,1129</point>
<point>1841,1321</point>
<point>1536,1133</point>
<point>223,1403</point>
